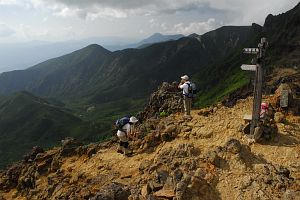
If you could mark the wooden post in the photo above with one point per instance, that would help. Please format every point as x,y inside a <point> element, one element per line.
<point>257,99</point>
<point>258,84</point>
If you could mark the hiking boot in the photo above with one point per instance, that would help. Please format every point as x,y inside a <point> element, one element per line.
<point>127,152</point>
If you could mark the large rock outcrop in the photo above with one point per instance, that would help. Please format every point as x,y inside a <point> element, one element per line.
<point>166,100</point>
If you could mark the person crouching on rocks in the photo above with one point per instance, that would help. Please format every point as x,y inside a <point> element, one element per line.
<point>187,92</point>
<point>126,129</point>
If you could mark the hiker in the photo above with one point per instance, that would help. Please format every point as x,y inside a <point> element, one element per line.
<point>125,128</point>
<point>263,110</point>
<point>187,92</point>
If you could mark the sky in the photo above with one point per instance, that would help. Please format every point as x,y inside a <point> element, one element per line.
<point>60,20</point>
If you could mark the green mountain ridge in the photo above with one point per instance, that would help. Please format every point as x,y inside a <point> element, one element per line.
<point>283,33</point>
<point>27,121</point>
<point>97,75</point>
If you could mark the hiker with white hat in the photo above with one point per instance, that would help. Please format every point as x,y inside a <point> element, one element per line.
<point>126,129</point>
<point>187,92</point>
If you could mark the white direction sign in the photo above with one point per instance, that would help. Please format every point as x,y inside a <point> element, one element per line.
<point>248,67</point>
<point>251,50</point>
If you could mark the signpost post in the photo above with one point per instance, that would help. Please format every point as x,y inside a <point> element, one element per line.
<point>258,68</point>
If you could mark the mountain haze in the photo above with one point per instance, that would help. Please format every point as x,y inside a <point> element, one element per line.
<point>99,75</point>
<point>156,38</point>
<point>23,55</point>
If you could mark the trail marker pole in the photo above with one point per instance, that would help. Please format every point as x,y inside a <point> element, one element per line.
<point>258,68</point>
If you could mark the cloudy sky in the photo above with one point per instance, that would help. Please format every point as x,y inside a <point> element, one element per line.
<point>58,20</point>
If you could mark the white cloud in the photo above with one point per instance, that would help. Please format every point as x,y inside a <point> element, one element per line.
<point>106,13</point>
<point>46,19</point>
<point>91,14</point>
<point>249,11</point>
<point>195,27</point>
<point>6,31</point>
<point>164,26</point>
<point>8,2</point>
<point>91,9</point>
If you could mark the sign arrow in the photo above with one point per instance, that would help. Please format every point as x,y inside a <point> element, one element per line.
<point>248,67</point>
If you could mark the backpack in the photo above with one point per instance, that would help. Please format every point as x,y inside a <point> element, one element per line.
<point>194,88</point>
<point>121,122</point>
<point>190,93</point>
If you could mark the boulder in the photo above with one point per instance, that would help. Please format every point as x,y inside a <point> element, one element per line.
<point>279,117</point>
<point>146,190</point>
<point>205,112</point>
<point>164,194</point>
<point>32,155</point>
<point>69,146</point>
<point>167,99</point>
<point>213,158</point>
<point>114,191</point>
<point>91,150</point>
<point>233,146</point>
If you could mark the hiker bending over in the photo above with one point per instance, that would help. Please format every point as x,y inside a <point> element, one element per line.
<point>125,128</point>
<point>187,92</point>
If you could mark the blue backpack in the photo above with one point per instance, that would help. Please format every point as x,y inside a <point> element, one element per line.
<point>191,90</point>
<point>121,122</point>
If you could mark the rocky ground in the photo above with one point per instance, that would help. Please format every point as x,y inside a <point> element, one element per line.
<point>207,157</point>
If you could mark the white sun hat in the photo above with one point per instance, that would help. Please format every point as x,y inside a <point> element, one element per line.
<point>133,119</point>
<point>185,77</point>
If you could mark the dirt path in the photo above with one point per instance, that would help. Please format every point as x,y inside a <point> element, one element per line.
<point>234,178</point>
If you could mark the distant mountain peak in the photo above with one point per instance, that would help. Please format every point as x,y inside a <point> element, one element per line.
<point>96,47</point>
<point>156,34</point>
<point>194,35</point>
<point>157,38</point>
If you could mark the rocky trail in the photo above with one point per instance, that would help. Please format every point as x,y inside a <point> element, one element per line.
<point>207,157</point>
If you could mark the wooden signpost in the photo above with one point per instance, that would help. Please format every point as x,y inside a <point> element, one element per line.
<point>258,68</point>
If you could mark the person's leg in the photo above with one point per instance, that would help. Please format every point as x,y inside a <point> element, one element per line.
<point>185,104</point>
<point>189,106</point>
<point>123,144</point>
<point>120,147</point>
<point>126,149</point>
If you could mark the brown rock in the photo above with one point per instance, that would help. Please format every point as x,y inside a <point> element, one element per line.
<point>213,158</point>
<point>166,194</point>
<point>170,129</point>
<point>233,146</point>
<point>187,129</point>
<point>43,166</point>
<point>145,165</point>
<point>166,99</point>
<point>279,117</point>
<point>69,147</point>
<point>166,136</point>
<point>55,165</point>
<point>114,191</point>
<point>146,190</point>
<point>91,151</point>
<point>205,112</point>
<point>154,186</point>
